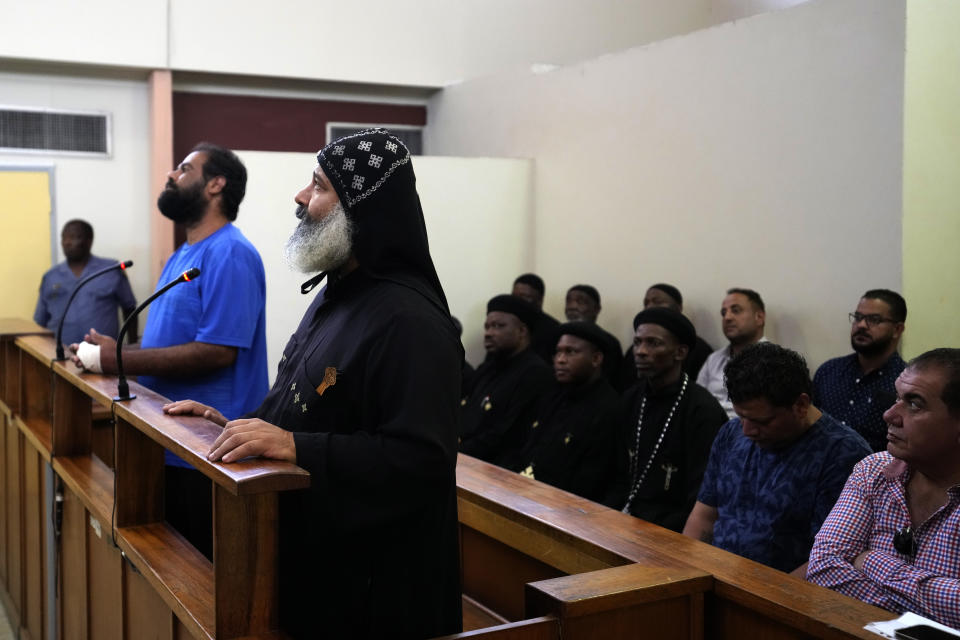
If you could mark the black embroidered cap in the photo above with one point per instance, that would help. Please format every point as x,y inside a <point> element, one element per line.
<point>673,321</point>
<point>359,164</point>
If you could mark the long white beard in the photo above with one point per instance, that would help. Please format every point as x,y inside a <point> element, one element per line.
<point>320,246</point>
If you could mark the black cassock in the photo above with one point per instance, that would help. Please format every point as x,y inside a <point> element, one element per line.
<point>670,487</point>
<point>572,443</point>
<point>501,403</point>
<point>370,384</point>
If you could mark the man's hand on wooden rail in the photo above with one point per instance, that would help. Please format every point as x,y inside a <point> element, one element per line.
<point>194,408</point>
<point>253,437</point>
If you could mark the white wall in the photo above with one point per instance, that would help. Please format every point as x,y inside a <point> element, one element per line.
<point>727,10</point>
<point>111,32</point>
<point>763,153</point>
<point>110,193</point>
<point>474,209</point>
<point>415,42</point>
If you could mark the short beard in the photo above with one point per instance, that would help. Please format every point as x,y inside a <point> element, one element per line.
<point>875,348</point>
<point>184,206</point>
<point>323,245</point>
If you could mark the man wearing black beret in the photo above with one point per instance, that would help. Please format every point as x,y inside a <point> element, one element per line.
<point>667,296</point>
<point>506,388</point>
<point>571,443</point>
<point>667,425</point>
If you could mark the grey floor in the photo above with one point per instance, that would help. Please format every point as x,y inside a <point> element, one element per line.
<point>6,633</point>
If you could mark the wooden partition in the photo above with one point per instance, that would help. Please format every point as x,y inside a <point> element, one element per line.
<point>122,571</point>
<point>514,528</point>
<point>23,477</point>
<point>536,562</point>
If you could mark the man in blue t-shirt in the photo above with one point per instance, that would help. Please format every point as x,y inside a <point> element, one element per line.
<point>777,469</point>
<point>96,304</point>
<point>204,339</point>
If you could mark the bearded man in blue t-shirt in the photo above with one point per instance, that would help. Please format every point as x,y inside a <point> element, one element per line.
<point>206,339</point>
<point>775,470</point>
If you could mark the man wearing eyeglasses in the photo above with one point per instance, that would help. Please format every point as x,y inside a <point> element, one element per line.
<point>856,389</point>
<point>891,539</point>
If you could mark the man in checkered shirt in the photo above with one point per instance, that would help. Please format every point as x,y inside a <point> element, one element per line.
<point>893,538</point>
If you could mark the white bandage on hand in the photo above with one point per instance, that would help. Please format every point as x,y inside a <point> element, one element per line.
<point>89,355</point>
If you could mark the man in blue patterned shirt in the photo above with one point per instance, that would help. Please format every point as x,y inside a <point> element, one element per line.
<point>857,389</point>
<point>776,470</point>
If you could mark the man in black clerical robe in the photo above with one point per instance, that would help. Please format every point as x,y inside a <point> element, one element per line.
<point>664,295</point>
<point>366,400</point>
<point>543,333</point>
<point>571,443</point>
<point>667,425</point>
<point>506,388</point>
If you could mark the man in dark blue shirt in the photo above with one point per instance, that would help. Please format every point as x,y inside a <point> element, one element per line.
<point>857,389</point>
<point>96,304</point>
<point>776,470</point>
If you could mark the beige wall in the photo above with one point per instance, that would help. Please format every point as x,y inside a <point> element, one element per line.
<point>763,153</point>
<point>931,176</point>
<point>474,208</point>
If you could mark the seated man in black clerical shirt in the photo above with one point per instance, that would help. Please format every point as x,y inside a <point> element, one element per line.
<point>506,387</point>
<point>667,424</point>
<point>570,443</point>
<point>668,296</point>
<point>582,304</point>
<point>543,338</point>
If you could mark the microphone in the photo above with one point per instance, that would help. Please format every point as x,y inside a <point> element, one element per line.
<point>119,265</point>
<point>123,389</point>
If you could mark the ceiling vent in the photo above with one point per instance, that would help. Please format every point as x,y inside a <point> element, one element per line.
<point>25,130</point>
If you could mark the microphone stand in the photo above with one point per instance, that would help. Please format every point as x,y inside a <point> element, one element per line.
<point>123,389</point>
<point>119,265</point>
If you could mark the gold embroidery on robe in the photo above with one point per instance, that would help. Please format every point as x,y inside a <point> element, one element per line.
<point>329,379</point>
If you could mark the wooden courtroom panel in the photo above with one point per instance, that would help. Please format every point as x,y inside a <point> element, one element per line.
<point>138,477</point>
<point>501,591</point>
<point>34,419</point>
<point>188,437</point>
<point>614,603</point>
<point>244,560</point>
<point>5,424</point>
<point>145,615</point>
<point>10,329</point>
<point>34,543</point>
<point>13,517</point>
<point>72,419</point>
<point>74,620</point>
<point>511,508</point>
<point>105,583</point>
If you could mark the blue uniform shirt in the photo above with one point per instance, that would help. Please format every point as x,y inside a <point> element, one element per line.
<point>771,503</point>
<point>94,307</point>
<point>224,305</point>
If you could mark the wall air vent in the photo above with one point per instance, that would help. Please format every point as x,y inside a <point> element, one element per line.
<point>412,136</point>
<point>25,130</point>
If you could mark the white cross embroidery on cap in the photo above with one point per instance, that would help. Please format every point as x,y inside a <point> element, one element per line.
<point>375,160</point>
<point>391,146</point>
<point>357,182</point>
<point>338,150</point>
<point>365,145</point>
<point>348,163</point>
